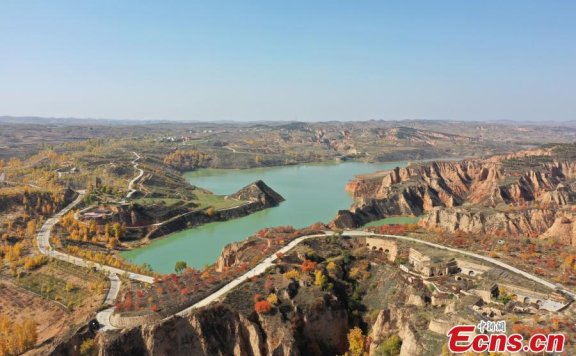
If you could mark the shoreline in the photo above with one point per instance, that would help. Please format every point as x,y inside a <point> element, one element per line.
<point>191,220</point>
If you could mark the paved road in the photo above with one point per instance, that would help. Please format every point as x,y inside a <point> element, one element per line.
<point>103,316</point>
<point>114,289</point>
<point>259,269</point>
<point>43,239</point>
<point>485,258</point>
<point>268,262</point>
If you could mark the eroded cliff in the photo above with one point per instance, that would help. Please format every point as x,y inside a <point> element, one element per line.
<point>530,193</point>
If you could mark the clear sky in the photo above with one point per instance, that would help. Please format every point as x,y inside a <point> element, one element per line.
<point>289,59</point>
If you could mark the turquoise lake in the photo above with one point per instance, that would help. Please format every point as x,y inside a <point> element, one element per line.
<point>313,193</point>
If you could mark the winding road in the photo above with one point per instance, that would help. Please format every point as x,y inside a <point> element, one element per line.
<point>259,269</point>
<point>43,243</point>
<point>103,316</point>
<point>131,184</point>
<point>43,239</point>
<point>269,262</point>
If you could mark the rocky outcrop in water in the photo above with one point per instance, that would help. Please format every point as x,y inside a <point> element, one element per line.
<point>256,196</point>
<point>258,192</point>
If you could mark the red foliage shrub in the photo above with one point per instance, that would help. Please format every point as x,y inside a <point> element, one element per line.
<point>308,266</point>
<point>127,303</point>
<point>263,307</point>
<point>391,229</point>
<point>283,229</point>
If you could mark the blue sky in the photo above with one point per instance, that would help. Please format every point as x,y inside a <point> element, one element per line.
<point>289,60</point>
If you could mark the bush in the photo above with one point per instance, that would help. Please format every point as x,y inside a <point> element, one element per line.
<point>88,347</point>
<point>272,298</point>
<point>308,266</point>
<point>390,346</point>
<point>263,307</point>
<point>292,274</point>
<point>356,342</point>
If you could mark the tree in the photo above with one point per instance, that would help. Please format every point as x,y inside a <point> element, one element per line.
<point>390,347</point>
<point>308,266</point>
<point>17,338</point>
<point>112,243</point>
<point>568,262</point>
<point>93,227</point>
<point>88,347</point>
<point>263,307</point>
<point>180,266</point>
<point>445,350</point>
<point>320,279</point>
<point>332,267</point>
<point>31,228</point>
<point>272,298</point>
<point>118,231</point>
<point>69,287</point>
<point>356,342</point>
<point>292,274</point>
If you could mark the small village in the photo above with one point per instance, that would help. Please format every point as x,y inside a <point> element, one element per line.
<point>497,291</point>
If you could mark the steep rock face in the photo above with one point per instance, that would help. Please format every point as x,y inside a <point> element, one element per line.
<point>213,331</point>
<point>258,192</point>
<point>345,218</point>
<point>564,169</point>
<point>521,194</point>
<point>230,254</point>
<point>396,321</point>
<point>563,195</point>
<point>476,182</point>
<point>218,330</point>
<point>531,222</point>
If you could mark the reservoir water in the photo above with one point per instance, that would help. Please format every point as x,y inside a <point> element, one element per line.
<point>313,193</point>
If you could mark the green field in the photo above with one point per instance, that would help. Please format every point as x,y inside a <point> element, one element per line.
<point>217,202</point>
